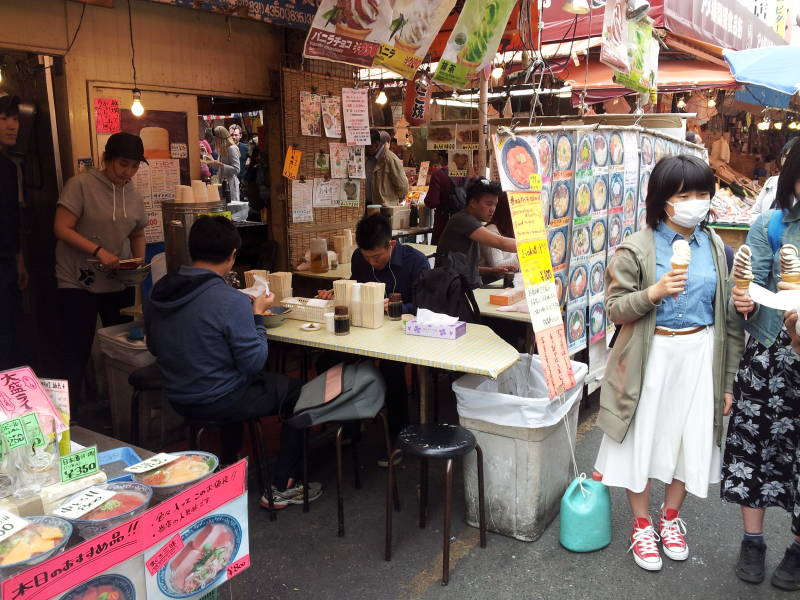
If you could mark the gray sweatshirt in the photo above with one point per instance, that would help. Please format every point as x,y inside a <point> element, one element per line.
<point>106,215</point>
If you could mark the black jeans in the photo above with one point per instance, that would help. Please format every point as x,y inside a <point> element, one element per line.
<point>9,312</point>
<point>79,309</point>
<point>266,395</point>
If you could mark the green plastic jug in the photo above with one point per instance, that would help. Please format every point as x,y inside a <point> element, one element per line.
<point>586,515</point>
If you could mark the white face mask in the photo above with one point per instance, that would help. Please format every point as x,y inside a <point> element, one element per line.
<point>689,213</point>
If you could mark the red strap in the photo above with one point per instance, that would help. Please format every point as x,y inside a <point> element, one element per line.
<point>333,383</point>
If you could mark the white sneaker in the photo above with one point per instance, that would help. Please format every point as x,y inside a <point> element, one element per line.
<point>644,545</point>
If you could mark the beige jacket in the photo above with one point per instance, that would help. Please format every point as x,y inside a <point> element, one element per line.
<point>389,181</point>
<point>630,272</point>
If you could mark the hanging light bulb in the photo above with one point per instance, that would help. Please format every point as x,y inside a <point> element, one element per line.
<point>382,98</point>
<point>681,103</point>
<point>778,124</point>
<point>576,7</point>
<point>794,125</point>
<point>497,72</point>
<point>711,103</point>
<point>763,125</point>
<point>136,107</point>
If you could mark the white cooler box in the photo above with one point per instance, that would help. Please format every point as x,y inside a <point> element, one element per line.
<point>122,357</point>
<point>526,446</point>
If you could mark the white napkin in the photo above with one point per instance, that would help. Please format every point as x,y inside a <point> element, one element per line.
<point>521,306</point>
<point>318,302</point>
<point>428,317</point>
<point>260,286</point>
<point>783,300</point>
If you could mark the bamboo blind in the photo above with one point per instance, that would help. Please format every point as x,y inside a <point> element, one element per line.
<point>328,222</point>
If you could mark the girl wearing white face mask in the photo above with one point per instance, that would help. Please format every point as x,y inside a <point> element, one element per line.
<point>669,376</point>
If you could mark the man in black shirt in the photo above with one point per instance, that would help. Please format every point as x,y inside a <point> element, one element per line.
<point>13,276</point>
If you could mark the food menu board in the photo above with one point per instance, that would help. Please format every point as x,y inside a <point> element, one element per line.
<point>594,187</point>
<point>156,183</point>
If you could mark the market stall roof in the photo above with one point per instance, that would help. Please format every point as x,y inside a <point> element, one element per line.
<point>723,24</point>
<point>673,76</point>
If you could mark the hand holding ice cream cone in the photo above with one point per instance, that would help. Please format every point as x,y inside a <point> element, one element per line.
<point>681,256</point>
<point>790,264</point>
<point>742,272</point>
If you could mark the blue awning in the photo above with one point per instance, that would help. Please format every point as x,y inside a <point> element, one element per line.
<point>775,67</point>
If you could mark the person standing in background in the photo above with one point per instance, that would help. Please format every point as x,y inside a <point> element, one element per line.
<point>496,263</point>
<point>244,149</point>
<point>100,219</point>
<point>13,275</point>
<point>766,199</point>
<point>228,161</point>
<point>389,182</point>
<point>438,196</point>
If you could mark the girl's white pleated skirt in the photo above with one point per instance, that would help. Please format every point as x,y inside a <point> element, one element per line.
<point>672,433</point>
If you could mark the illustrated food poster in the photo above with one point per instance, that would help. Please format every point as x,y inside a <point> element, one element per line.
<point>598,141</point>
<point>394,35</point>
<point>561,192</point>
<point>580,250</point>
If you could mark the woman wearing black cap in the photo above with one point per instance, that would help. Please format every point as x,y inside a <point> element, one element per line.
<point>99,217</point>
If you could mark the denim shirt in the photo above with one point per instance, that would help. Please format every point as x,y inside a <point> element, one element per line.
<point>764,324</point>
<point>695,306</point>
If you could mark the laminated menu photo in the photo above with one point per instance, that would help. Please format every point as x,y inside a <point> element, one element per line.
<point>123,581</point>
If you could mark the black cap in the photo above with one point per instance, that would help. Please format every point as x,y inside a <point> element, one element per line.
<point>9,105</point>
<point>126,145</point>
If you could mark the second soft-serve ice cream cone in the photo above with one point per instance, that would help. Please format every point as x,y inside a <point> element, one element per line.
<point>358,18</point>
<point>742,271</point>
<point>790,264</point>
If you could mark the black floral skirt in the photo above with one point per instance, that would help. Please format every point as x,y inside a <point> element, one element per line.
<point>760,466</point>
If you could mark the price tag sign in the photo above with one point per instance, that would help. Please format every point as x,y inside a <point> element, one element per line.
<point>88,500</point>
<point>291,165</point>
<point>237,567</point>
<point>534,260</point>
<point>152,462</point>
<point>10,524</point>
<point>79,464</point>
<point>14,432</point>
<point>33,431</point>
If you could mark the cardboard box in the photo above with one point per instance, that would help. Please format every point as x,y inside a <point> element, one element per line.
<point>445,332</point>
<point>507,297</point>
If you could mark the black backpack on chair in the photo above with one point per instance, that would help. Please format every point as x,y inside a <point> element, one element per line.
<point>444,289</point>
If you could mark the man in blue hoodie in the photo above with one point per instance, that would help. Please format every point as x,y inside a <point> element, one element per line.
<point>211,346</point>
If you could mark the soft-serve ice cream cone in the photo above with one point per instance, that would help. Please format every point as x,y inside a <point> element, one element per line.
<point>352,32</point>
<point>790,264</point>
<point>742,271</point>
<point>359,18</point>
<point>681,256</point>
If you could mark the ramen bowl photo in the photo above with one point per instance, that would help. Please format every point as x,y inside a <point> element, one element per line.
<point>560,200</point>
<point>558,247</point>
<point>519,162</point>
<point>583,200</point>
<point>564,152</point>
<point>596,278</point>
<point>600,150</point>
<point>576,325</point>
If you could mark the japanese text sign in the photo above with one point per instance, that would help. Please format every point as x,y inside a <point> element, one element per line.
<point>291,166</point>
<point>79,464</point>
<point>21,393</point>
<point>106,115</point>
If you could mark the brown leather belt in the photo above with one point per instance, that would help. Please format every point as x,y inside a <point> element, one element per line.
<point>670,332</point>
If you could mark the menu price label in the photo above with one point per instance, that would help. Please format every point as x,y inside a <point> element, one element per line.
<point>10,524</point>
<point>79,464</point>
<point>14,432</point>
<point>151,463</point>
<point>237,567</point>
<point>291,165</point>
<point>534,259</point>
<point>87,501</point>
<point>161,558</point>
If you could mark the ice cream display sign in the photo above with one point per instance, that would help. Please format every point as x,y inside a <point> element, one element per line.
<point>474,40</point>
<point>394,35</point>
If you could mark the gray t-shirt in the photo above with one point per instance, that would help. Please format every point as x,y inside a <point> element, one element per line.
<point>455,238</point>
<point>106,215</point>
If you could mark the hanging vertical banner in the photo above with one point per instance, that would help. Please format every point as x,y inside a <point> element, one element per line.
<point>562,189</point>
<point>614,47</point>
<point>355,108</point>
<point>474,40</point>
<point>640,56</point>
<point>393,34</point>
<point>630,144</point>
<point>599,237</point>
<point>645,168</point>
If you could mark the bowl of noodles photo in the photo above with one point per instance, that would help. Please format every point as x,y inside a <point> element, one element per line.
<point>584,154</point>
<point>647,150</point>
<point>598,236</point>
<point>596,278</point>
<point>599,194</point>
<point>615,148</point>
<point>614,230</point>
<point>597,319</point>
<point>558,247</point>
<point>559,281</point>
<point>576,325</point>
<point>583,200</point>
<point>560,200</point>
<point>519,162</point>
<point>578,281</point>
<point>564,153</point>
<point>617,189</point>
<point>630,204</point>
<point>580,241</point>
<point>600,150</point>
<point>545,143</point>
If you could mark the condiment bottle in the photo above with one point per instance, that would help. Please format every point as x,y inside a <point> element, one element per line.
<point>395,306</point>
<point>341,320</point>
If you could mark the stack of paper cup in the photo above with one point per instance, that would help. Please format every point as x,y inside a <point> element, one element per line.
<point>199,191</point>
<point>184,194</point>
<point>213,192</point>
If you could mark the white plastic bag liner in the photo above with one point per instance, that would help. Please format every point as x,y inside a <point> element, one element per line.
<point>518,397</point>
<point>115,344</point>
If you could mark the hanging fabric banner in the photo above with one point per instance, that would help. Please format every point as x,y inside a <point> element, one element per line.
<point>473,43</point>
<point>392,35</point>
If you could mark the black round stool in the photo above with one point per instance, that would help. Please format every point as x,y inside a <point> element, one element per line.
<point>442,442</point>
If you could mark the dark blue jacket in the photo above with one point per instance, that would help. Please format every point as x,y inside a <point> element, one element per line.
<point>400,274</point>
<point>204,335</point>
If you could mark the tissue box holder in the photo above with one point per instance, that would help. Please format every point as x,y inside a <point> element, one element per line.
<point>507,297</point>
<point>445,332</point>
